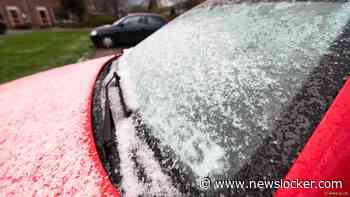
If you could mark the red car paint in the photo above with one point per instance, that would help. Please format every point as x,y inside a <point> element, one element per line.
<point>46,139</point>
<point>326,156</point>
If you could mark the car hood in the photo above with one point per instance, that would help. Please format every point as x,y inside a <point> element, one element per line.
<point>104,27</point>
<point>46,139</point>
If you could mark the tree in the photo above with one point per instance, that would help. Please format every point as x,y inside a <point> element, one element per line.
<point>153,5</point>
<point>119,7</point>
<point>76,7</point>
<point>188,4</point>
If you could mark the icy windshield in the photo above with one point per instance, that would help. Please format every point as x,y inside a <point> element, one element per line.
<point>214,83</point>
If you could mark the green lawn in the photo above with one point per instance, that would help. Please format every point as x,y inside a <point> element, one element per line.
<point>29,53</point>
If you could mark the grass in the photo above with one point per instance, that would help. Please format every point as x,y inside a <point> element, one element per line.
<point>29,53</point>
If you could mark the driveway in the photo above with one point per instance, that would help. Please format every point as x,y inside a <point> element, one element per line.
<point>104,52</point>
<point>101,52</point>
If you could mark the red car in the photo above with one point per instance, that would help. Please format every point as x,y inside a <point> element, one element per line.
<point>229,99</point>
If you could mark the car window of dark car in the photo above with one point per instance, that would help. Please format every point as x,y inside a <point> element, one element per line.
<point>155,21</point>
<point>133,21</point>
<point>239,88</point>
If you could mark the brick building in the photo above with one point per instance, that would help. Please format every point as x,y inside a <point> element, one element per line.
<point>36,13</point>
<point>107,7</point>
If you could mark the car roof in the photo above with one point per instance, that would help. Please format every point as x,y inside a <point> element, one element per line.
<point>144,14</point>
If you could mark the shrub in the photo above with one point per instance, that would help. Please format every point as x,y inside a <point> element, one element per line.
<point>3,28</point>
<point>98,20</point>
<point>76,7</point>
<point>26,25</point>
<point>137,8</point>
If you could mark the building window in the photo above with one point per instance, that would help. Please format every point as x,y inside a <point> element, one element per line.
<point>44,16</point>
<point>14,16</point>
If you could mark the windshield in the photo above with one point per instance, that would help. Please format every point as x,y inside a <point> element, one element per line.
<point>225,83</point>
<point>119,21</point>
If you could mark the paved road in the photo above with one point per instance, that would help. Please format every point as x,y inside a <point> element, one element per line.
<point>104,52</point>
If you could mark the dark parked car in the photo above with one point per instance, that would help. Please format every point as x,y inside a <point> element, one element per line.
<point>3,28</point>
<point>129,30</point>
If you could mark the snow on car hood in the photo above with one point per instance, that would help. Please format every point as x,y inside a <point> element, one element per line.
<point>103,27</point>
<point>46,141</point>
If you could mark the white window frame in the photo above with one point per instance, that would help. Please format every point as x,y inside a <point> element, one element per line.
<point>41,8</point>
<point>19,13</point>
<point>10,8</point>
<point>46,10</point>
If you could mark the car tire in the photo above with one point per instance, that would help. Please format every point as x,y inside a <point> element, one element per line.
<point>107,42</point>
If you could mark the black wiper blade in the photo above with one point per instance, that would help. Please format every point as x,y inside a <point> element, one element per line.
<point>126,111</point>
<point>108,123</point>
<point>108,135</point>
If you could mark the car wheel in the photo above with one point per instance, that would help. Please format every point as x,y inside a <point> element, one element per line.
<point>107,42</point>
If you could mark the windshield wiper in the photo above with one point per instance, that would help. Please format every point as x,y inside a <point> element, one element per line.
<point>108,121</point>
<point>108,135</point>
<point>126,111</point>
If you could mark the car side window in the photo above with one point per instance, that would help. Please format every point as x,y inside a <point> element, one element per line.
<point>155,21</point>
<point>133,21</point>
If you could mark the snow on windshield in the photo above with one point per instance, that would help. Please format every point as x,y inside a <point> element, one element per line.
<point>211,83</point>
<point>141,174</point>
<point>133,151</point>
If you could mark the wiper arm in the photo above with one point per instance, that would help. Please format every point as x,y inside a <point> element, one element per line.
<point>108,121</point>
<point>108,135</point>
<point>127,112</point>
